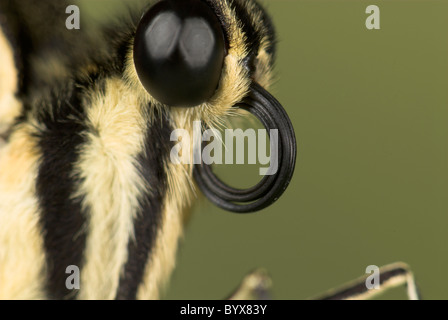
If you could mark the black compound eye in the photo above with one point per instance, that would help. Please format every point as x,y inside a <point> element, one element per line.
<point>179,52</point>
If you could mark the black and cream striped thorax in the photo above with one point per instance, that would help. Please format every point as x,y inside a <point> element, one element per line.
<point>85,173</point>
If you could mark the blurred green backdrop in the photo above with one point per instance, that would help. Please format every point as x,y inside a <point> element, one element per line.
<point>370,110</point>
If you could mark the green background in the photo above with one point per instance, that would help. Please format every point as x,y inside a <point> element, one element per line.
<point>370,110</point>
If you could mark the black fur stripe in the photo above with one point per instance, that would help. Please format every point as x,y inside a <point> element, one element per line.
<point>152,168</point>
<point>269,28</point>
<point>61,216</point>
<point>254,33</point>
<point>243,15</point>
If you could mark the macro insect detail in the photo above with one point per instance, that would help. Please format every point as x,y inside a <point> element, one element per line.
<point>86,117</point>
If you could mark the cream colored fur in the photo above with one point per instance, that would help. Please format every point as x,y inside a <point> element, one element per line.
<point>10,107</point>
<point>111,187</point>
<point>22,255</point>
